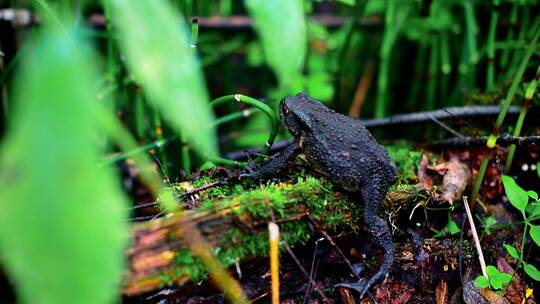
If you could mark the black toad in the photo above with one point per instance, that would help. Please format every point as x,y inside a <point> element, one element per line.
<point>342,149</point>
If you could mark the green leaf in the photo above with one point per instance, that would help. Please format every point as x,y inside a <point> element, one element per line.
<point>516,195</point>
<point>538,169</point>
<point>63,225</point>
<point>281,26</point>
<point>532,271</point>
<point>535,234</point>
<point>482,282</point>
<point>452,227</point>
<point>512,251</point>
<point>488,225</point>
<point>348,2</point>
<point>154,40</point>
<point>492,271</point>
<point>505,278</point>
<point>495,282</point>
<point>532,195</point>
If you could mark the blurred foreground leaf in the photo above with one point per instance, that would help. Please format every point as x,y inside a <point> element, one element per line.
<point>63,225</point>
<point>154,40</point>
<point>281,26</point>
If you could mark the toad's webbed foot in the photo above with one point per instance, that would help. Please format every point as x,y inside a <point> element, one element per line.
<point>363,285</point>
<point>360,286</point>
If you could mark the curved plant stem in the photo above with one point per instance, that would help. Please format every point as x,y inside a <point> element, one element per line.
<point>163,142</point>
<point>274,120</point>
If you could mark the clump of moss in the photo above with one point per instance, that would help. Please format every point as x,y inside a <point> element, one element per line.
<point>280,201</point>
<point>407,161</point>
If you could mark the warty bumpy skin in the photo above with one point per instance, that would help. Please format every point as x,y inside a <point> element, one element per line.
<point>342,149</point>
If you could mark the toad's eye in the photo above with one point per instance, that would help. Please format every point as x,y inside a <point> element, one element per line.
<point>286,109</point>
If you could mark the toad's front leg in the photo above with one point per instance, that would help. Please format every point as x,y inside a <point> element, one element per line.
<point>274,166</point>
<point>373,194</point>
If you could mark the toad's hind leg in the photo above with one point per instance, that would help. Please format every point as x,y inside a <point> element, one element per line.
<point>373,195</point>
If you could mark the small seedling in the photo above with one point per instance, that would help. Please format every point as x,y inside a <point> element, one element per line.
<point>528,203</point>
<point>488,224</point>
<point>495,279</point>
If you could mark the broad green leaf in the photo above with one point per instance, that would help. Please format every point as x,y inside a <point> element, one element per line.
<point>532,195</point>
<point>281,26</point>
<point>452,227</point>
<point>512,251</point>
<point>532,271</point>
<point>535,234</point>
<point>495,282</point>
<point>516,195</point>
<point>154,40</point>
<point>482,282</point>
<point>505,277</point>
<point>63,225</point>
<point>492,271</point>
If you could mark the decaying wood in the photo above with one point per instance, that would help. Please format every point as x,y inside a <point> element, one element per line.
<point>155,243</point>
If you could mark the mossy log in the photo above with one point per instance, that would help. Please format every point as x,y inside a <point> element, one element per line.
<point>236,227</point>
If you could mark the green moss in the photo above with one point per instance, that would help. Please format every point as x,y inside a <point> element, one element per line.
<point>283,200</point>
<point>188,265</point>
<point>407,161</point>
<point>402,188</point>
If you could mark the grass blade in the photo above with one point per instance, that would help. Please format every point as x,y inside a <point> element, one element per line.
<point>171,76</point>
<point>63,225</point>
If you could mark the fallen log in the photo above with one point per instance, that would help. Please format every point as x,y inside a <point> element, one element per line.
<point>236,227</point>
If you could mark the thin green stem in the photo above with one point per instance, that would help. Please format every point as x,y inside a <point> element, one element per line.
<point>186,157</point>
<point>342,57</point>
<point>418,76</point>
<point>274,120</point>
<point>386,49</point>
<point>111,51</point>
<point>472,31</point>
<point>139,113</point>
<point>505,55</point>
<point>48,13</point>
<point>504,109</point>
<point>433,73</point>
<point>490,73</point>
<point>524,23</point>
<point>517,79</point>
<point>523,238</point>
<point>529,94</point>
<point>446,65</point>
<point>164,142</point>
<point>158,133</point>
